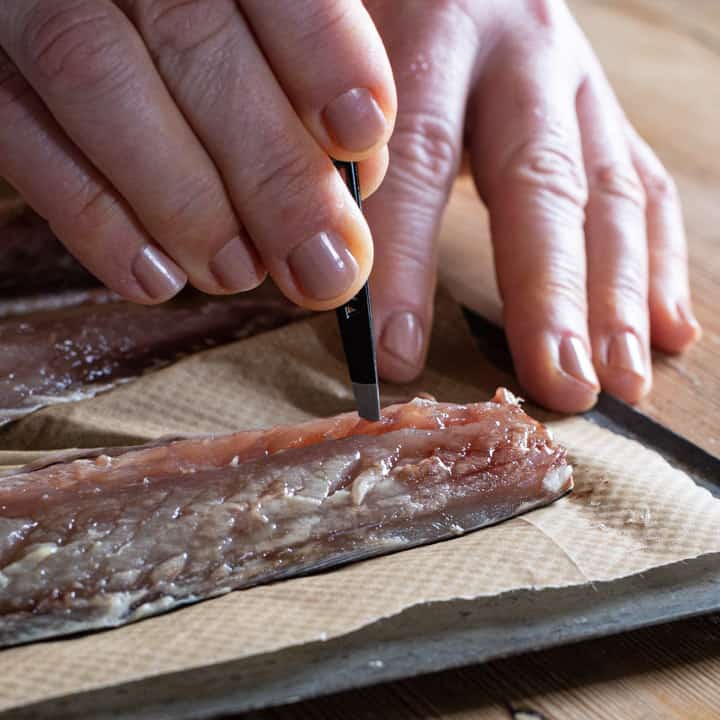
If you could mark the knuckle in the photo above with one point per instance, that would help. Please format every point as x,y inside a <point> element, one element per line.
<point>181,26</point>
<point>452,13</point>
<point>546,13</point>
<point>321,20</point>
<point>545,32</point>
<point>283,182</point>
<point>619,182</point>
<point>90,209</point>
<point>425,152</point>
<point>76,44</point>
<point>545,167</point>
<point>195,206</point>
<point>661,188</point>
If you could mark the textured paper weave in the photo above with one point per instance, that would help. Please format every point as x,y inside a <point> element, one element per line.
<point>630,511</point>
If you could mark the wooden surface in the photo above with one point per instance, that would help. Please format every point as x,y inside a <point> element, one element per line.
<point>663,58</point>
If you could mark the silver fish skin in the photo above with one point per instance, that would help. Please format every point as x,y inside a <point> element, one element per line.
<point>70,353</point>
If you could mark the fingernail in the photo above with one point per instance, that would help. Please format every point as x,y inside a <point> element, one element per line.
<point>323,266</point>
<point>625,353</point>
<point>355,120</point>
<point>575,361</point>
<point>686,315</point>
<point>403,337</point>
<point>157,274</point>
<point>234,266</point>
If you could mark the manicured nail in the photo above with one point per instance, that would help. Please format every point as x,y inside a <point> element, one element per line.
<point>234,266</point>
<point>575,361</point>
<point>355,120</point>
<point>323,266</point>
<point>157,274</point>
<point>403,337</point>
<point>625,353</point>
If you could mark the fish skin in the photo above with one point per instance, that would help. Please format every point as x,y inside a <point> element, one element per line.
<point>97,339</point>
<point>122,533</point>
<point>74,353</point>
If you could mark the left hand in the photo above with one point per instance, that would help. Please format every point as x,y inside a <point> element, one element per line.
<point>586,225</point>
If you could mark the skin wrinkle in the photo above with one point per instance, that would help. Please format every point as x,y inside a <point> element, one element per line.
<point>426,153</point>
<point>542,167</point>
<point>620,182</point>
<point>323,20</point>
<point>184,26</point>
<point>84,52</point>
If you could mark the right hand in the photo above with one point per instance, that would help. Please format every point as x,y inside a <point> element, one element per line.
<point>167,140</point>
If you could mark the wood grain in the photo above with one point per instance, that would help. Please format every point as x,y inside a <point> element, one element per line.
<point>663,59</point>
<point>663,673</point>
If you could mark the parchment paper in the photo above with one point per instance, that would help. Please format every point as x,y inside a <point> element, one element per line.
<point>630,511</point>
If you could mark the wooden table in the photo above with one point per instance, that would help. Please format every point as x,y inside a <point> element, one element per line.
<point>663,58</point>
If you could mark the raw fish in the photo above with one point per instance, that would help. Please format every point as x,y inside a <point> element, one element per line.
<point>74,353</point>
<point>124,533</point>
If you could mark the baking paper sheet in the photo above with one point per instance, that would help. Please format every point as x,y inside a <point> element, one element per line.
<point>630,510</point>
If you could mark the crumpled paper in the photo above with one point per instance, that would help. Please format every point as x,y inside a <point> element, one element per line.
<point>630,511</point>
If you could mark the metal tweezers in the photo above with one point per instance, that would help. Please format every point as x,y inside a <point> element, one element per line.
<point>356,327</point>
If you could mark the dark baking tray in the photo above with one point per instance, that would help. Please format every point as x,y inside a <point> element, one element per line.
<point>434,636</point>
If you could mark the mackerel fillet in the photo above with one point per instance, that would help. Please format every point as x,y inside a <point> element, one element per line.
<point>122,533</point>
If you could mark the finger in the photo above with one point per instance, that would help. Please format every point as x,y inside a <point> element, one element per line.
<point>91,220</point>
<point>309,234</point>
<point>330,60</point>
<point>527,161</point>
<point>372,171</point>
<point>616,246</point>
<point>91,69</point>
<point>405,212</point>
<point>672,322</point>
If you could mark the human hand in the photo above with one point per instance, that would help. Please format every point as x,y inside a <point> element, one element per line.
<point>167,140</point>
<point>586,225</point>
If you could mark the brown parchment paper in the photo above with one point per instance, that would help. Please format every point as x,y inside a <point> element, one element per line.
<point>630,511</point>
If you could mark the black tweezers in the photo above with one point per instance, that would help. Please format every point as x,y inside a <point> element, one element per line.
<point>356,327</point>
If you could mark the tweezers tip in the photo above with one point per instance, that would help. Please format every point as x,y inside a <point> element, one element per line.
<point>367,398</point>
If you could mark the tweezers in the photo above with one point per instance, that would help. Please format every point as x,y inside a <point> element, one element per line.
<point>356,327</point>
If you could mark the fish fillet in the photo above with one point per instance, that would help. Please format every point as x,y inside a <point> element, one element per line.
<point>76,352</point>
<point>123,533</point>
